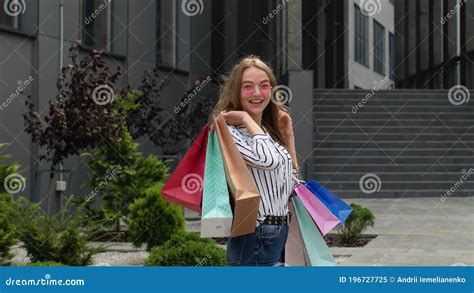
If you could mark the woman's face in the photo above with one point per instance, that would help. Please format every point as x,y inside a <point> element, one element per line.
<point>255,91</point>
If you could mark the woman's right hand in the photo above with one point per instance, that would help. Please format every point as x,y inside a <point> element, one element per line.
<point>242,118</point>
<point>236,117</point>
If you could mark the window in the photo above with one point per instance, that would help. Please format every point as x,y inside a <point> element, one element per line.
<point>391,47</point>
<point>379,48</point>
<point>166,33</point>
<point>361,33</point>
<point>97,24</point>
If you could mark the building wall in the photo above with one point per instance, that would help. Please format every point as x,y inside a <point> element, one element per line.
<point>358,75</point>
<point>29,52</point>
<point>427,38</point>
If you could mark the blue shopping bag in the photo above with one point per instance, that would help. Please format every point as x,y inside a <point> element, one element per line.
<point>338,207</point>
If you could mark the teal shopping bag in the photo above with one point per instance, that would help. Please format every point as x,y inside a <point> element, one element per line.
<point>316,248</point>
<point>216,219</point>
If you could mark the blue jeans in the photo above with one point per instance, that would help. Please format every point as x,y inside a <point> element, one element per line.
<point>264,247</point>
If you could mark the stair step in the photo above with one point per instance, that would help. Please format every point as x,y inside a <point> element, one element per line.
<point>439,187</point>
<point>390,144</point>
<point>324,130</point>
<point>377,108</point>
<point>392,160</point>
<point>435,137</point>
<point>416,142</point>
<point>394,104</point>
<point>414,177</point>
<point>400,116</point>
<point>347,194</point>
<point>392,122</point>
<point>376,168</point>
<point>386,94</point>
<point>376,152</point>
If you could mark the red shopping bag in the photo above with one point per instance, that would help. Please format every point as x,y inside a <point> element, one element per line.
<point>185,185</point>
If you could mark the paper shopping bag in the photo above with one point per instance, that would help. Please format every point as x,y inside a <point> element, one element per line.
<point>316,248</point>
<point>216,219</point>
<point>185,185</point>
<point>245,198</point>
<point>338,207</point>
<point>294,247</point>
<point>321,215</point>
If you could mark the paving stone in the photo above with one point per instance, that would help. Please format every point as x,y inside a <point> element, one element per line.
<point>410,231</point>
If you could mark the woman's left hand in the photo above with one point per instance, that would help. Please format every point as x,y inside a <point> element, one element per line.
<point>286,125</point>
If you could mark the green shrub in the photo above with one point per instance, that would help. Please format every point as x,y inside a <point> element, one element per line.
<point>45,264</point>
<point>187,249</point>
<point>119,175</point>
<point>359,220</point>
<point>152,220</point>
<point>11,212</point>
<point>57,238</point>
<point>8,232</point>
<point>7,238</point>
<point>6,170</point>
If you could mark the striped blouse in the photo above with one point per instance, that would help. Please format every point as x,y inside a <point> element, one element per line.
<point>271,167</point>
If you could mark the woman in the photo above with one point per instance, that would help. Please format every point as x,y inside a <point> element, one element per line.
<point>263,133</point>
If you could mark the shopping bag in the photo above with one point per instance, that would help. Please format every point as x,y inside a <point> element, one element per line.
<point>338,207</point>
<point>316,248</point>
<point>321,215</point>
<point>294,247</point>
<point>216,218</point>
<point>185,185</point>
<point>245,199</point>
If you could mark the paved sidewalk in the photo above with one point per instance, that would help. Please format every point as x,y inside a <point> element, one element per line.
<point>415,232</point>
<point>411,231</point>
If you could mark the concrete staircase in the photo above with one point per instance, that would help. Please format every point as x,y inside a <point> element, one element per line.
<point>416,142</point>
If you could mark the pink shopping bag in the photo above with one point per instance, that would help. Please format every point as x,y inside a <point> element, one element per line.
<point>322,216</point>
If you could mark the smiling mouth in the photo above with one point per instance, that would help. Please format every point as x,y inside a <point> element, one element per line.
<point>256,102</point>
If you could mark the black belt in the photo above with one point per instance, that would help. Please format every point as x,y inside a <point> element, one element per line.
<point>276,220</point>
